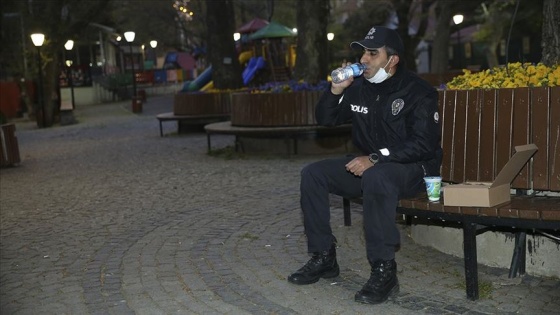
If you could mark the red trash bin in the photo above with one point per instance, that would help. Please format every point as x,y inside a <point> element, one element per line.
<point>142,95</point>
<point>136,104</point>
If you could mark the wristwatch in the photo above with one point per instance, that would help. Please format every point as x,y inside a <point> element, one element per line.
<point>373,158</point>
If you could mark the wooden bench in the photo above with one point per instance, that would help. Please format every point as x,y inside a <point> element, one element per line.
<point>480,128</point>
<point>192,119</point>
<point>289,133</point>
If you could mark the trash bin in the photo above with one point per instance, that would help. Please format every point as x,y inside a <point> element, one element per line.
<point>136,104</point>
<point>9,148</point>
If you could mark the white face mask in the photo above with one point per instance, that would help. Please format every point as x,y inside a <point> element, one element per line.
<point>381,74</point>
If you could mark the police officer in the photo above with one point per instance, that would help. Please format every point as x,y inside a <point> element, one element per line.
<point>395,126</point>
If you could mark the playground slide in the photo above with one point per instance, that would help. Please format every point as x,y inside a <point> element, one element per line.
<point>255,63</point>
<point>204,81</point>
<point>201,80</point>
<point>245,56</point>
<point>208,86</point>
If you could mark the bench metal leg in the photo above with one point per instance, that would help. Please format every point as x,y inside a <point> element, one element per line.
<point>239,145</point>
<point>208,142</point>
<point>519,255</point>
<point>470,258</point>
<point>347,215</point>
<point>408,220</point>
<point>288,145</point>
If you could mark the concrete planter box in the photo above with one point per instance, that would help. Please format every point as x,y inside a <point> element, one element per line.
<point>274,109</point>
<point>202,103</point>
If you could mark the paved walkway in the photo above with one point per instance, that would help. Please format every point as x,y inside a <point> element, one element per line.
<point>107,217</point>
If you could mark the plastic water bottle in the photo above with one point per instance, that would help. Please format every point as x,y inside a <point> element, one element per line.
<point>352,70</point>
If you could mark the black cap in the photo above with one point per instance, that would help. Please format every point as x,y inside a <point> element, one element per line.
<point>379,36</point>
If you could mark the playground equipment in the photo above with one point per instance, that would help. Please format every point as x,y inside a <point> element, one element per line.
<point>255,63</point>
<point>268,50</point>
<point>204,81</point>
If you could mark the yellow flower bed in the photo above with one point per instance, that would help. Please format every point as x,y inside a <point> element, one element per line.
<point>517,75</point>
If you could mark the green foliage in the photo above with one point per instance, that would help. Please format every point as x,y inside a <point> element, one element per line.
<point>249,236</point>
<point>495,18</point>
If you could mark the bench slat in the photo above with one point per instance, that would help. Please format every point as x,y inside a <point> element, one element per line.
<point>486,170</point>
<point>521,132</point>
<point>503,128</point>
<point>541,116</point>
<point>554,153</point>
<point>473,130</point>
<point>521,207</point>
<point>459,163</point>
<point>447,103</point>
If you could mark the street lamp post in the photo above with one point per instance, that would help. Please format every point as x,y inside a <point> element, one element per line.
<point>330,37</point>
<point>38,40</point>
<point>153,44</point>
<point>69,45</point>
<point>136,101</point>
<point>458,19</point>
<point>129,36</point>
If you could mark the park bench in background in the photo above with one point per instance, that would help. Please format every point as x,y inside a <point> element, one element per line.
<point>196,109</point>
<point>480,129</point>
<point>185,120</point>
<point>290,134</point>
<point>288,117</point>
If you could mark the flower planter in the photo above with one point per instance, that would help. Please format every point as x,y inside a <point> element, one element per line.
<point>274,109</point>
<point>202,103</point>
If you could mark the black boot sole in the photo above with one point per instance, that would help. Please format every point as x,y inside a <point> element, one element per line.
<point>371,300</point>
<point>327,275</point>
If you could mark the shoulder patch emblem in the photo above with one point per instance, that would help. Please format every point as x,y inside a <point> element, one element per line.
<point>436,117</point>
<point>397,105</point>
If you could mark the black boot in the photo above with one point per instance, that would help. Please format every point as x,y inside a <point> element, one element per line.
<point>321,265</point>
<point>382,283</point>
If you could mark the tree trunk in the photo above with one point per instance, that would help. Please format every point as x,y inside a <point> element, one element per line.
<point>440,56</point>
<point>312,49</point>
<point>226,71</point>
<point>403,11</point>
<point>491,56</point>
<point>59,21</point>
<point>551,33</point>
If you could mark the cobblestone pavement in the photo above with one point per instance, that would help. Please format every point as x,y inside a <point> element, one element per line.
<point>107,217</point>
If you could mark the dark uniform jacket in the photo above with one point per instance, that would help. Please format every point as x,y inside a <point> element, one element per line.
<point>398,119</point>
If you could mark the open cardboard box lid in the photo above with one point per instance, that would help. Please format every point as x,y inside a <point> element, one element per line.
<point>515,164</point>
<point>486,194</point>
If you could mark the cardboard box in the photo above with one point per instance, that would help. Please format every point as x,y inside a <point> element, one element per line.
<point>484,194</point>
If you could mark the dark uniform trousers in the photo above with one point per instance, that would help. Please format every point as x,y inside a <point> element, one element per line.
<point>381,187</point>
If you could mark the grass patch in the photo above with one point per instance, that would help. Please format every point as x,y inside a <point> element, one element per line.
<point>485,289</point>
